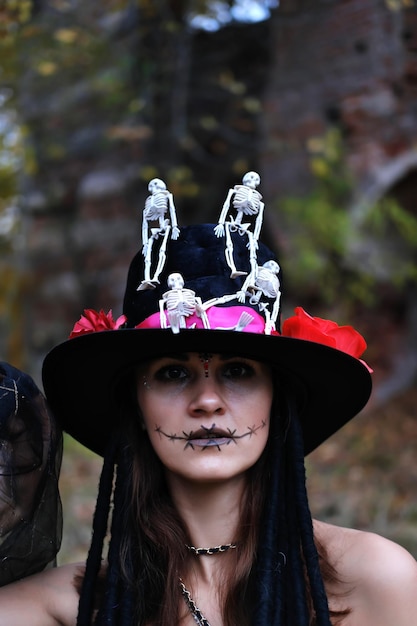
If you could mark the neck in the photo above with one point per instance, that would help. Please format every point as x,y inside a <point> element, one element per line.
<point>210,511</point>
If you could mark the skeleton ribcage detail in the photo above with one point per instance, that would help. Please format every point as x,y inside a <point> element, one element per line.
<point>183,302</point>
<point>246,200</point>
<point>155,206</point>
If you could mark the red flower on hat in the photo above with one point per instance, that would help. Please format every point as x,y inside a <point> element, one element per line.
<point>95,321</point>
<point>344,338</point>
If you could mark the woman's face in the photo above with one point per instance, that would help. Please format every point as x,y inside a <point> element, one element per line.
<point>207,415</point>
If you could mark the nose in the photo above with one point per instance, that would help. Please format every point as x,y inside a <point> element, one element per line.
<point>206,399</point>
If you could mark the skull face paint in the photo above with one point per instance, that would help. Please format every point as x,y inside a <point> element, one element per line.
<point>207,415</point>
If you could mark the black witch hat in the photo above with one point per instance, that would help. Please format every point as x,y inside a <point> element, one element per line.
<point>215,288</point>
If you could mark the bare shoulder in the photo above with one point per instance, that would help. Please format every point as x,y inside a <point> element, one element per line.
<point>357,553</point>
<point>381,575</point>
<point>45,599</point>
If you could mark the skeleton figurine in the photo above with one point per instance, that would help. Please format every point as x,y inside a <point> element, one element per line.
<point>267,284</point>
<point>180,303</point>
<point>245,317</point>
<point>156,207</point>
<point>244,320</point>
<point>247,201</point>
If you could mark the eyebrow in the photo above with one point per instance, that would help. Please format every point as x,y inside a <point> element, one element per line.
<point>180,356</point>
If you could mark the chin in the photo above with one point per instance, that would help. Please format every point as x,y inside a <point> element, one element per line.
<point>221,473</point>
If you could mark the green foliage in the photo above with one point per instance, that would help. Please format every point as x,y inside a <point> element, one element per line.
<point>13,14</point>
<point>327,163</point>
<point>318,225</point>
<point>10,162</point>
<point>392,223</point>
<point>317,230</point>
<point>388,215</point>
<point>321,234</point>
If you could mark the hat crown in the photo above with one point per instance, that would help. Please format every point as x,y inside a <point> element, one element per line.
<point>185,274</point>
<point>197,257</point>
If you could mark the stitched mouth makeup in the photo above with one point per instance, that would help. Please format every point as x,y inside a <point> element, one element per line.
<point>208,437</point>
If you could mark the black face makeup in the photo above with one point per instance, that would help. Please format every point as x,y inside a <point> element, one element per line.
<point>212,436</point>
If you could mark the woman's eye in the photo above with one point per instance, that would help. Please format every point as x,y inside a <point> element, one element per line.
<point>171,373</point>
<point>238,370</point>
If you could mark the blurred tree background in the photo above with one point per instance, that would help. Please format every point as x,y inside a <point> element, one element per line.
<point>97,98</point>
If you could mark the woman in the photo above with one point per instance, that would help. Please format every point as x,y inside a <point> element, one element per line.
<point>207,412</point>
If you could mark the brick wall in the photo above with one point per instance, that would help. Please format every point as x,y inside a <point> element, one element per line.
<point>352,64</point>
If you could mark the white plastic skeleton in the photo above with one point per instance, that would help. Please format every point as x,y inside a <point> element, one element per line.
<point>247,201</point>
<point>180,303</point>
<point>266,283</point>
<point>156,208</point>
<point>244,320</point>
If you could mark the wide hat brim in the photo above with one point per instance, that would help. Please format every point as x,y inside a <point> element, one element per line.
<point>80,376</point>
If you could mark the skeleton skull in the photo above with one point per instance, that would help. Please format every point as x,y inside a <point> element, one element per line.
<point>272,266</point>
<point>156,184</point>
<point>175,281</point>
<point>251,179</point>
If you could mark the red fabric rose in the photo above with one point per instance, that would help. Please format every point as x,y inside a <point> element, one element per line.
<point>344,338</point>
<point>95,321</point>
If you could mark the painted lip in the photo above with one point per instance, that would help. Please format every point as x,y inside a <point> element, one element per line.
<point>211,441</point>
<point>211,436</point>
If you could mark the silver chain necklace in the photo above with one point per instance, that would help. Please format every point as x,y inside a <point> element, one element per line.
<point>196,614</point>
<point>210,551</point>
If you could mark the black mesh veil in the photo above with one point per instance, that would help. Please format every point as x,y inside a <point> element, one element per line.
<point>30,460</point>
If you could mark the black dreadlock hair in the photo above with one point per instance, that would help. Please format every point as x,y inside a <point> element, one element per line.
<point>117,599</point>
<point>287,554</point>
<point>287,562</point>
<point>101,515</point>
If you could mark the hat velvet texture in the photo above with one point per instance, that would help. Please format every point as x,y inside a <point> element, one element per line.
<point>80,374</point>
